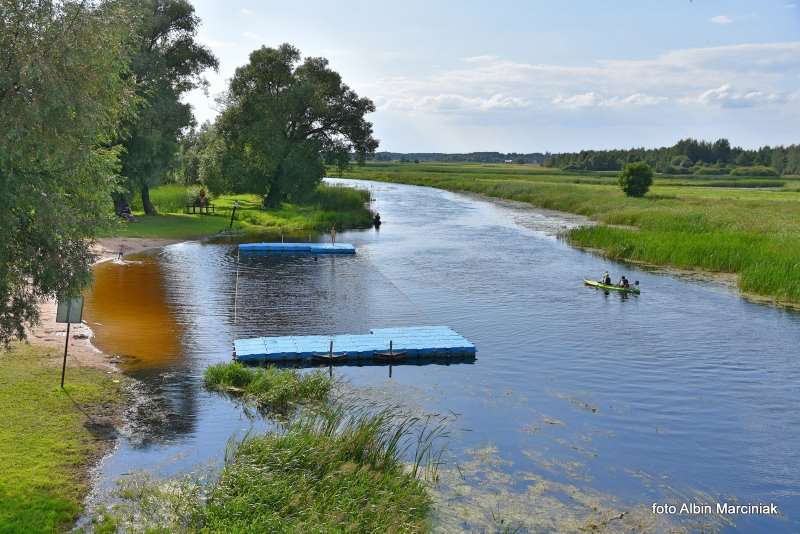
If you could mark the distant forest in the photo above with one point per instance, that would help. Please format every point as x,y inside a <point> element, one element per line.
<point>471,157</point>
<point>687,156</point>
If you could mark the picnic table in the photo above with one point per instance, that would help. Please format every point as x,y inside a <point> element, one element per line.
<point>197,208</point>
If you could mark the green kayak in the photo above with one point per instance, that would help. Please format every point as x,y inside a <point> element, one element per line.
<point>598,285</point>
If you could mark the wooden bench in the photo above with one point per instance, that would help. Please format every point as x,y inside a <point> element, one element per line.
<point>193,208</point>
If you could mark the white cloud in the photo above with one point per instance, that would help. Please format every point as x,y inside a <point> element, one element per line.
<point>721,19</point>
<point>246,12</point>
<point>592,99</point>
<point>726,96</point>
<point>734,76</point>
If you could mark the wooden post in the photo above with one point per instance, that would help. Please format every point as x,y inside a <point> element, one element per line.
<point>64,365</point>
<point>330,359</point>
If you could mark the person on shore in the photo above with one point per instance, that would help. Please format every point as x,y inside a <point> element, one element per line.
<point>333,234</point>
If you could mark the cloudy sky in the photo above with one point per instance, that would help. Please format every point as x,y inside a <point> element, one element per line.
<point>535,76</point>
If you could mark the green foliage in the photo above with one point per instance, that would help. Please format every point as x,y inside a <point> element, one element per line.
<point>339,198</point>
<point>281,117</point>
<point>636,179</point>
<point>166,63</point>
<point>679,158</point>
<point>44,445</point>
<point>756,170</point>
<point>268,388</point>
<point>343,207</point>
<point>63,90</point>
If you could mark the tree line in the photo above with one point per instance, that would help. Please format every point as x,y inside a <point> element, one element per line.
<point>470,157</point>
<point>688,156</point>
<point>91,112</point>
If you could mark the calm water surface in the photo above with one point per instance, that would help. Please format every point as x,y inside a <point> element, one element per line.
<point>685,393</point>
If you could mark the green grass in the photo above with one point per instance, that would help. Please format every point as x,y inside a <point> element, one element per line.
<point>343,207</point>
<point>45,448</point>
<point>683,222</point>
<point>268,388</point>
<point>338,468</point>
<point>335,472</point>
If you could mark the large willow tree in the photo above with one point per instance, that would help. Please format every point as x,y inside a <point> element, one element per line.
<point>283,119</point>
<point>63,91</point>
<point>167,62</point>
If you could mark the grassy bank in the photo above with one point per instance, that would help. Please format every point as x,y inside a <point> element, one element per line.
<point>268,387</point>
<point>49,437</point>
<point>683,222</point>
<point>333,466</point>
<point>330,205</point>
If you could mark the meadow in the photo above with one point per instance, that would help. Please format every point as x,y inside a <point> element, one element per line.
<point>328,206</point>
<point>46,441</point>
<point>748,226</point>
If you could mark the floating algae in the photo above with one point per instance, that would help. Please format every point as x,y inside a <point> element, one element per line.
<point>477,496</point>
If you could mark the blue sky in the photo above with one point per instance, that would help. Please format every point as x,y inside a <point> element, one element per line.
<point>535,76</point>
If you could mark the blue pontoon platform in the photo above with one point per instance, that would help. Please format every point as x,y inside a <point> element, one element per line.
<point>380,343</point>
<point>296,248</point>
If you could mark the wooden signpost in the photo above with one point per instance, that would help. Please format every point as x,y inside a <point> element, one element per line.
<point>69,311</point>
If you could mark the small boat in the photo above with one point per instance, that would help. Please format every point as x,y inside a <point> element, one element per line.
<point>599,285</point>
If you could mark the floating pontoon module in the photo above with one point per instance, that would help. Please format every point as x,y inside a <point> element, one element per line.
<point>263,249</point>
<point>380,343</point>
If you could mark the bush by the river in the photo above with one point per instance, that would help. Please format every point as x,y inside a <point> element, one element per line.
<point>636,178</point>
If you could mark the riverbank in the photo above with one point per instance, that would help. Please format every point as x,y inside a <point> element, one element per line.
<point>345,208</point>
<point>753,233</point>
<point>51,438</point>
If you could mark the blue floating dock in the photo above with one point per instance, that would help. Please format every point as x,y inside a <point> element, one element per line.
<point>409,342</point>
<point>296,248</point>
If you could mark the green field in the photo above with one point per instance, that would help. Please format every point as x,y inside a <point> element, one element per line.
<point>749,226</point>
<point>330,205</point>
<point>46,445</point>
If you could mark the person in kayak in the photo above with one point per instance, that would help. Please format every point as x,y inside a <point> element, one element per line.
<point>606,279</point>
<point>624,283</point>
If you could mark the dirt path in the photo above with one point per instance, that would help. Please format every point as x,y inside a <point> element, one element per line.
<point>81,351</point>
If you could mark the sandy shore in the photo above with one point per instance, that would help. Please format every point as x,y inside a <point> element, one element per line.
<point>81,351</point>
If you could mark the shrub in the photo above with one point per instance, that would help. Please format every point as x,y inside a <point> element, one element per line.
<point>756,170</point>
<point>636,178</point>
<point>710,170</point>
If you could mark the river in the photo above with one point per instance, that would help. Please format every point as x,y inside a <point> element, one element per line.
<point>687,393</point>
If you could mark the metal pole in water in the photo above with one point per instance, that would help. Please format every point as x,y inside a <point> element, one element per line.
<point>64,365</point>
<point>330,359</point>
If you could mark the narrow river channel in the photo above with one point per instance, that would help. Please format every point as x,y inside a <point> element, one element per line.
<point>687,393</point>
